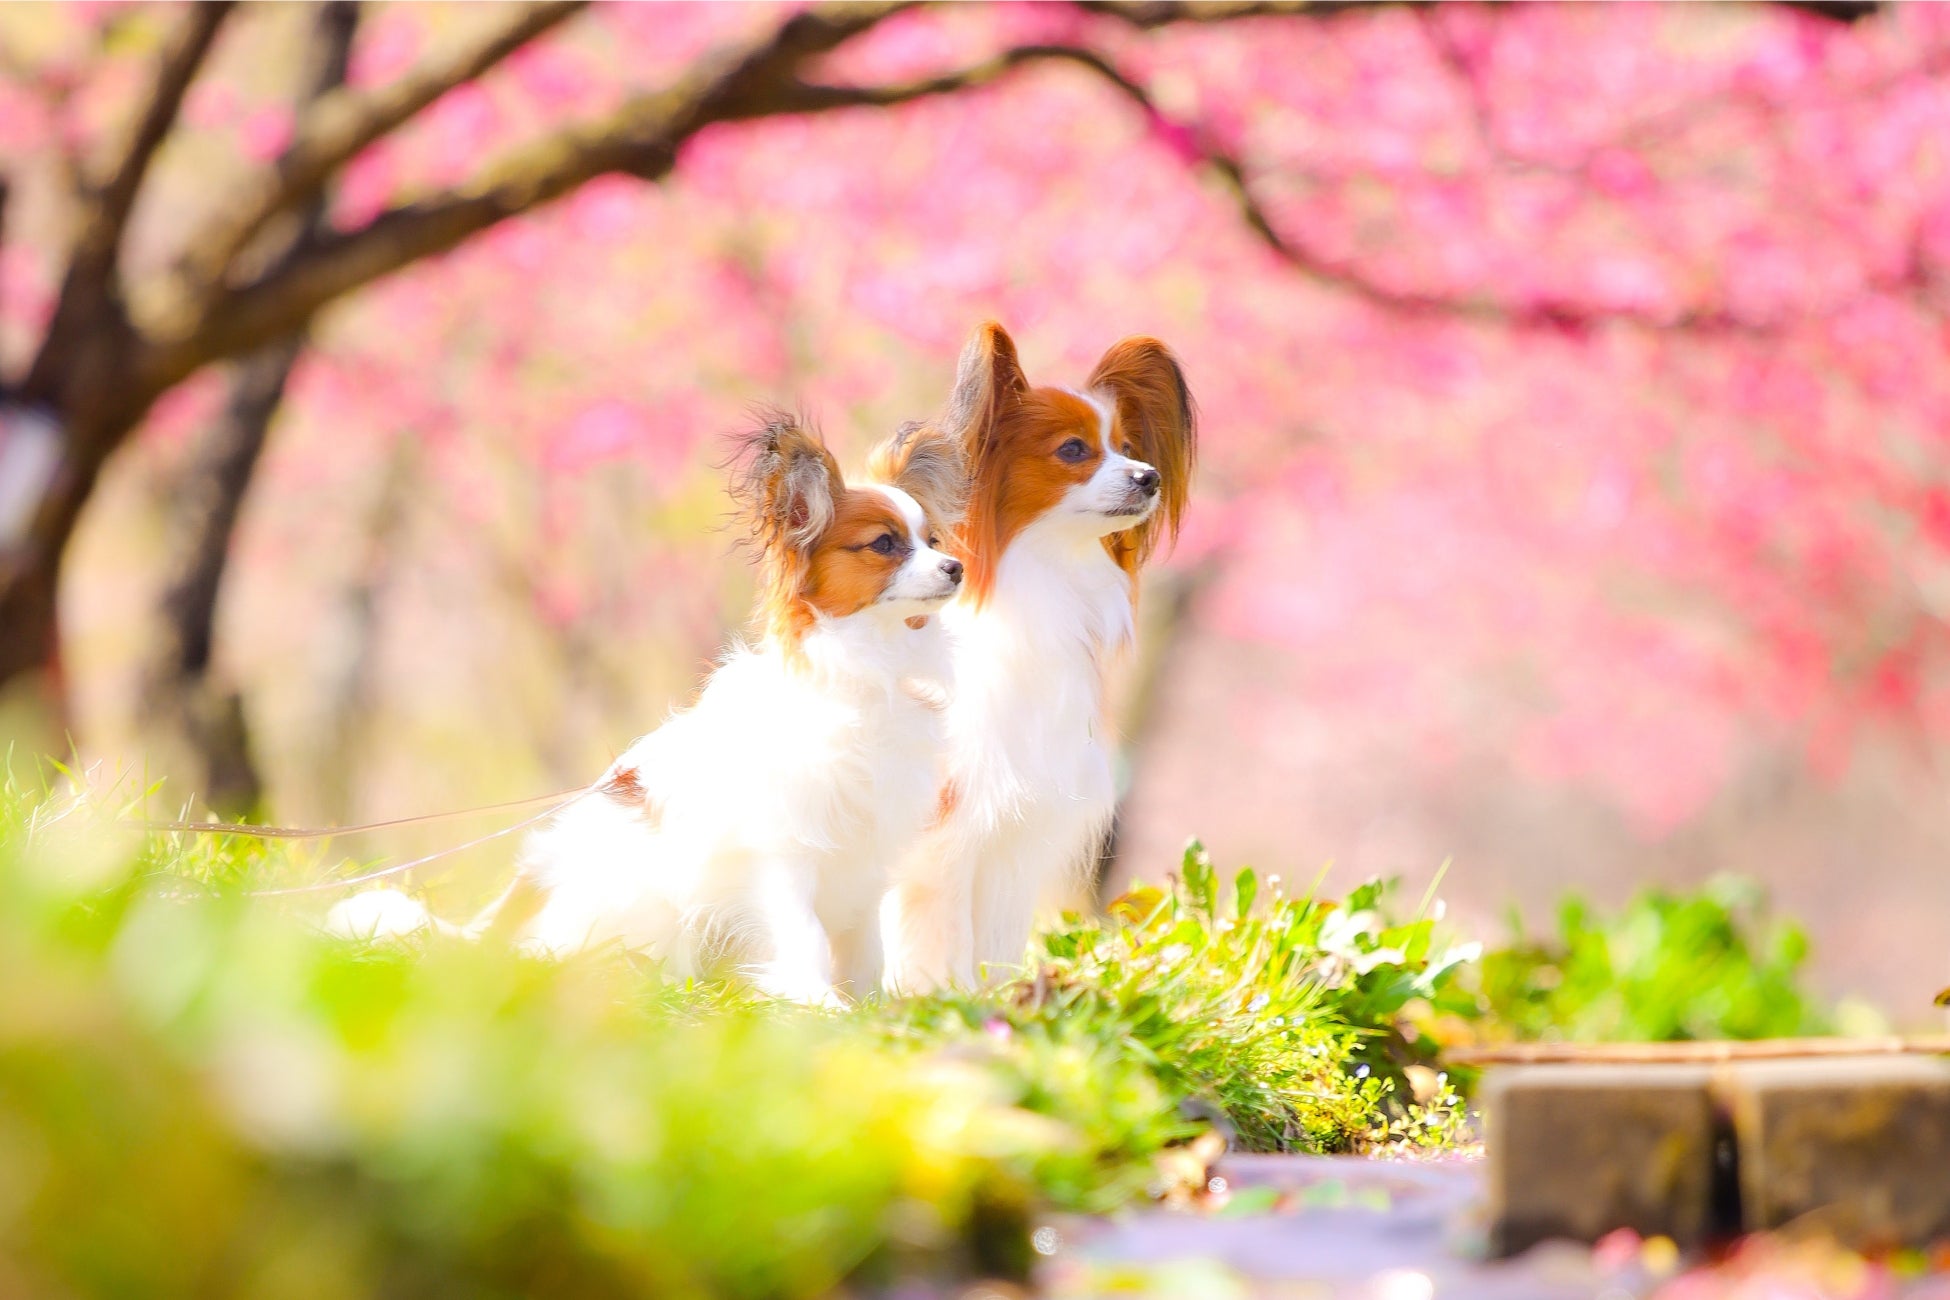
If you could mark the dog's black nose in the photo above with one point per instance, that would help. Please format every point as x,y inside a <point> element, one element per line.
<point>1145,480</point>
<point>953,569</point>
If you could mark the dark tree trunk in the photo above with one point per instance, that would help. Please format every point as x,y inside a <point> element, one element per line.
<point>185,694</point>
<point>63,474</point>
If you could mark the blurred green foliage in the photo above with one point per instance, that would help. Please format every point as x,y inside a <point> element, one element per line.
<point>201,1093</point>
<point>1713,964</point>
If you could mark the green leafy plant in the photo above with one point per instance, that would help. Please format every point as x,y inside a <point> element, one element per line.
<point>1231,1015</point>
<point>1711,964</point>
<point>1281,1012</point>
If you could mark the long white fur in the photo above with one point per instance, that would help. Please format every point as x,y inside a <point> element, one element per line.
<point>1029,760</point>
<point>772,808</point>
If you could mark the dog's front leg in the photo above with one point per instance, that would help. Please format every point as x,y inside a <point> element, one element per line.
<point>857,957</point>
<point>926,919</point>
<point>795,961</point>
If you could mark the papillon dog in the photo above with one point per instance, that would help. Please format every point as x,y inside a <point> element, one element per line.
<point>1071,491</point>
<point>757,827</point>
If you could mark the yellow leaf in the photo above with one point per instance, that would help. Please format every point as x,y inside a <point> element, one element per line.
<point>1135,905</point>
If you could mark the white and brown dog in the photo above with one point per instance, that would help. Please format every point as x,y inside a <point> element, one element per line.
<point>1071,490</point>
<point>757,827</point>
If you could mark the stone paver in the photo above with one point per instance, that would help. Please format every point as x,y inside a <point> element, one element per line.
<point>1859,1147</point>
<point>1576,1151</point>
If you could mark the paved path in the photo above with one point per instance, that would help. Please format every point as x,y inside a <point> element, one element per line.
<point>1308,1226</point>
<point>1317,1227</point>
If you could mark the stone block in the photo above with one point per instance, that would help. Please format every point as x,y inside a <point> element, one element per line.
<point>1857,1146</point>
<point>1576,1151</point>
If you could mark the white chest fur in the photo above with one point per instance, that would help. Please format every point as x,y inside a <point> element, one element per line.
<point>1027,723</point>
<point>1029,757</point>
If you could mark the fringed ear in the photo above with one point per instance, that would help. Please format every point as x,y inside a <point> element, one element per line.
<point>784,483</point>
<point>988,379</point>
<point>929,466</point>
<point>1156,412</point>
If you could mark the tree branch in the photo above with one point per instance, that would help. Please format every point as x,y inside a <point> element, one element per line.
<point>1147,14</point>
<point>639,139</point>
<point>1841,11</point>
<point>87,301</point>
<point>115,195</point>
<point>818,97</point>
<point>642,139</point>
<point>1547,312</point>
<point>335,129</point>
<point>1161,13</point>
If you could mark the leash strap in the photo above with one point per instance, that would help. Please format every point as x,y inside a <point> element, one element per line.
<point>328,832</point>
<point>562,801</point>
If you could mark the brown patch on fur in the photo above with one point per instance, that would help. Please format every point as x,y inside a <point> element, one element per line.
<point>945,805</point>
<point>1012,431</point>
<point>623,786</point>
<point>917,622</point>
<point>784,483</point>
<point>988,377</point>
<point>845,574</point>
<point>1157,417</point>
<point>928,465</point>
<point>1018,476</point>
<point>814,533</point>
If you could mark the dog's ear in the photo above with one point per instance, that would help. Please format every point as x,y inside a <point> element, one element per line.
<point>988,379</point>
<point>1156,412</point>
<point>929,466</point>
<point>784,483</point>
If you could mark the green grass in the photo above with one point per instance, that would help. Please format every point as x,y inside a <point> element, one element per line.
<point>199,1092</point>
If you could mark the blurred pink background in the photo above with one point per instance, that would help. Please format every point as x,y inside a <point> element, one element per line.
<point>1574,502</point>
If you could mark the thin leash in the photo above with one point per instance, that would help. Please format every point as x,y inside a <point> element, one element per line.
<point>565,800</point>
<point>330,832</point>
<point>556,802</point>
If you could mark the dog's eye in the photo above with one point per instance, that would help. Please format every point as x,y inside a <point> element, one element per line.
<point>1075,451</point>
<point>934,543</point>
<point>1130,451</point>
<point>882,545</point>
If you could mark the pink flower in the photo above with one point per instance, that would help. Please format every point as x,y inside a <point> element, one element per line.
<point>266,133</point>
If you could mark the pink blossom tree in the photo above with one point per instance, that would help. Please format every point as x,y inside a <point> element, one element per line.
<point>1595,344</point>
<point>122,330</point>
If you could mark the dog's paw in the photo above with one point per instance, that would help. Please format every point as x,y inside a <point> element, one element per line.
<point>378,914</point>
<point>804,987</point>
